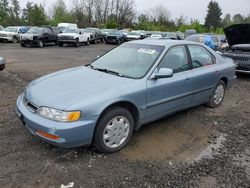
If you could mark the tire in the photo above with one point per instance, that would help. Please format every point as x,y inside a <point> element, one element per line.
<point>88,42</point>
<point>218,95</point>
<point>119,133</point>
<point>56,43</point>
<point>22,44</point>
<point>15,40</point>
<point>60,44</point>
<point>40,43</point>
<point>77,44</point>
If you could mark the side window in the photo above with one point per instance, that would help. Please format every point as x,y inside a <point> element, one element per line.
<point>200,56</point>
<point>47,30</point>
<point>175,59</point>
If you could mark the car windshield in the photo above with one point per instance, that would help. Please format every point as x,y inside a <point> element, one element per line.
<point>35,30</point>
<point>70,31</point>
<point>114,33</point>
<point>134,33</point>
<point>129,60</point>
<point>11,29</point>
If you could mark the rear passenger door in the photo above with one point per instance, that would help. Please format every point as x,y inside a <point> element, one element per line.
<point>204,73</point>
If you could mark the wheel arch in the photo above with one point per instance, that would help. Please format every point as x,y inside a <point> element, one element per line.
<point>225,80</point>
<point>131,107</point>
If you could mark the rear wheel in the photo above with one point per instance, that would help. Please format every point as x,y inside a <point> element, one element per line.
<point>218,95</point>
<point>60,44</point>
<point>113,130</point>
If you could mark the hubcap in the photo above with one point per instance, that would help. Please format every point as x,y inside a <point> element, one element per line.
<point>219,94</point>
<point>116,132</point>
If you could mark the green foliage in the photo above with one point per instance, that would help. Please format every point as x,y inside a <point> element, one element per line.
<point>4,12</point>
<point>213,18</point>
<point>34,15</point>
<point>61,14</point>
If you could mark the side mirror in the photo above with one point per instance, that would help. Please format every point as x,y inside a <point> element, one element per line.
<point>163,73</point>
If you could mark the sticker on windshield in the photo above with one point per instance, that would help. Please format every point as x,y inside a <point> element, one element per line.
<point>147,51</point>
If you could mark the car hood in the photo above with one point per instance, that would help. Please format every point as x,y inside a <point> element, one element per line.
<point>133,36</point>
<point>7,32</point>
<point>238,34</point>
<point>68,34</point>
<point>31,34</point>
<point>67,88</point>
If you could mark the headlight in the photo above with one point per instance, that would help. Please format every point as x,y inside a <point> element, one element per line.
<point>58,115</point>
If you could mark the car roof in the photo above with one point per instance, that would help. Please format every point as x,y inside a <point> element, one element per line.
<point>162,42</point>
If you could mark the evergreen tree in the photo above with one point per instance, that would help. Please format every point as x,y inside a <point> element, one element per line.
<point>238,19</point>
<point>34,15</point>
<point>4,12</point>
<point>213,18</point>
<point>227,20</point>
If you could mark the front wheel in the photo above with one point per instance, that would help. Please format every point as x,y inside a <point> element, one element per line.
<point>15,40</point>
<point>77,43</point>
<point>40,43</point>
<point>113,130</point>
<point>218,95</point>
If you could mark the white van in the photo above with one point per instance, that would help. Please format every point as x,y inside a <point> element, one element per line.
<point>63,26</point>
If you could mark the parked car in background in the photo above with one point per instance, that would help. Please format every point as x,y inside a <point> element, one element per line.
<point>63,26</point>
<point>12,34</point>
<point>2,63</point>
<point>238,37</point>
<point>73,36</point>
<point>156,35</point>
<point>143,81</point>
<point>210,40</point>
<point>95,35</point>
<point>115,37</point>
<point>190,32</point>
<point>133,35</point>
<point>39,36</point>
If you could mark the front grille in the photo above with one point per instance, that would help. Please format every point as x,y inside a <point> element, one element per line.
<point>29,105</point>
<point>65,38</point>
<point>3,35</point>
<point>238,56</point>
<point>111,38</point>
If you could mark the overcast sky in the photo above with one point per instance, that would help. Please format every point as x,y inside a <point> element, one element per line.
<point>188,8</point>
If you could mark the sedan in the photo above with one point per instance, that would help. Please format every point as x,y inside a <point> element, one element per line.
<point>2,63</point>
<point>104,102</point>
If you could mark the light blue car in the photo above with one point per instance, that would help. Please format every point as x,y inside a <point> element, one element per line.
<point>138,82</point>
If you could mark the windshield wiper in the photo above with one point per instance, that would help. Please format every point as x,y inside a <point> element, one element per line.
<point>108,71</point>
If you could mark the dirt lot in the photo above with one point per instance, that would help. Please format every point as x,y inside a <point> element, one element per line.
<point>200,147</point>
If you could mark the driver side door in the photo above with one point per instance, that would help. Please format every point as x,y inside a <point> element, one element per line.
<point>167,95</point>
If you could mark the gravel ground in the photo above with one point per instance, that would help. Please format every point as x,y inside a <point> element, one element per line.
<point>200,147</point>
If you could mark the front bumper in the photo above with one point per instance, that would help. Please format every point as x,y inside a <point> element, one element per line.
<point>70,134</point>
<point>9,39</point>
<point>27,41</point>
<point>67,41</point>
<point>243,66</point>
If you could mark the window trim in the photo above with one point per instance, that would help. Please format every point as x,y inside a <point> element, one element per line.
<point>190,57</point>
<point>187,55</point>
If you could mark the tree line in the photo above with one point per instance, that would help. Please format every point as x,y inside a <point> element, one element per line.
<point>113,14</point>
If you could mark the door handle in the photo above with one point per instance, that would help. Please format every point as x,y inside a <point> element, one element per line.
<point>187,79</point>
